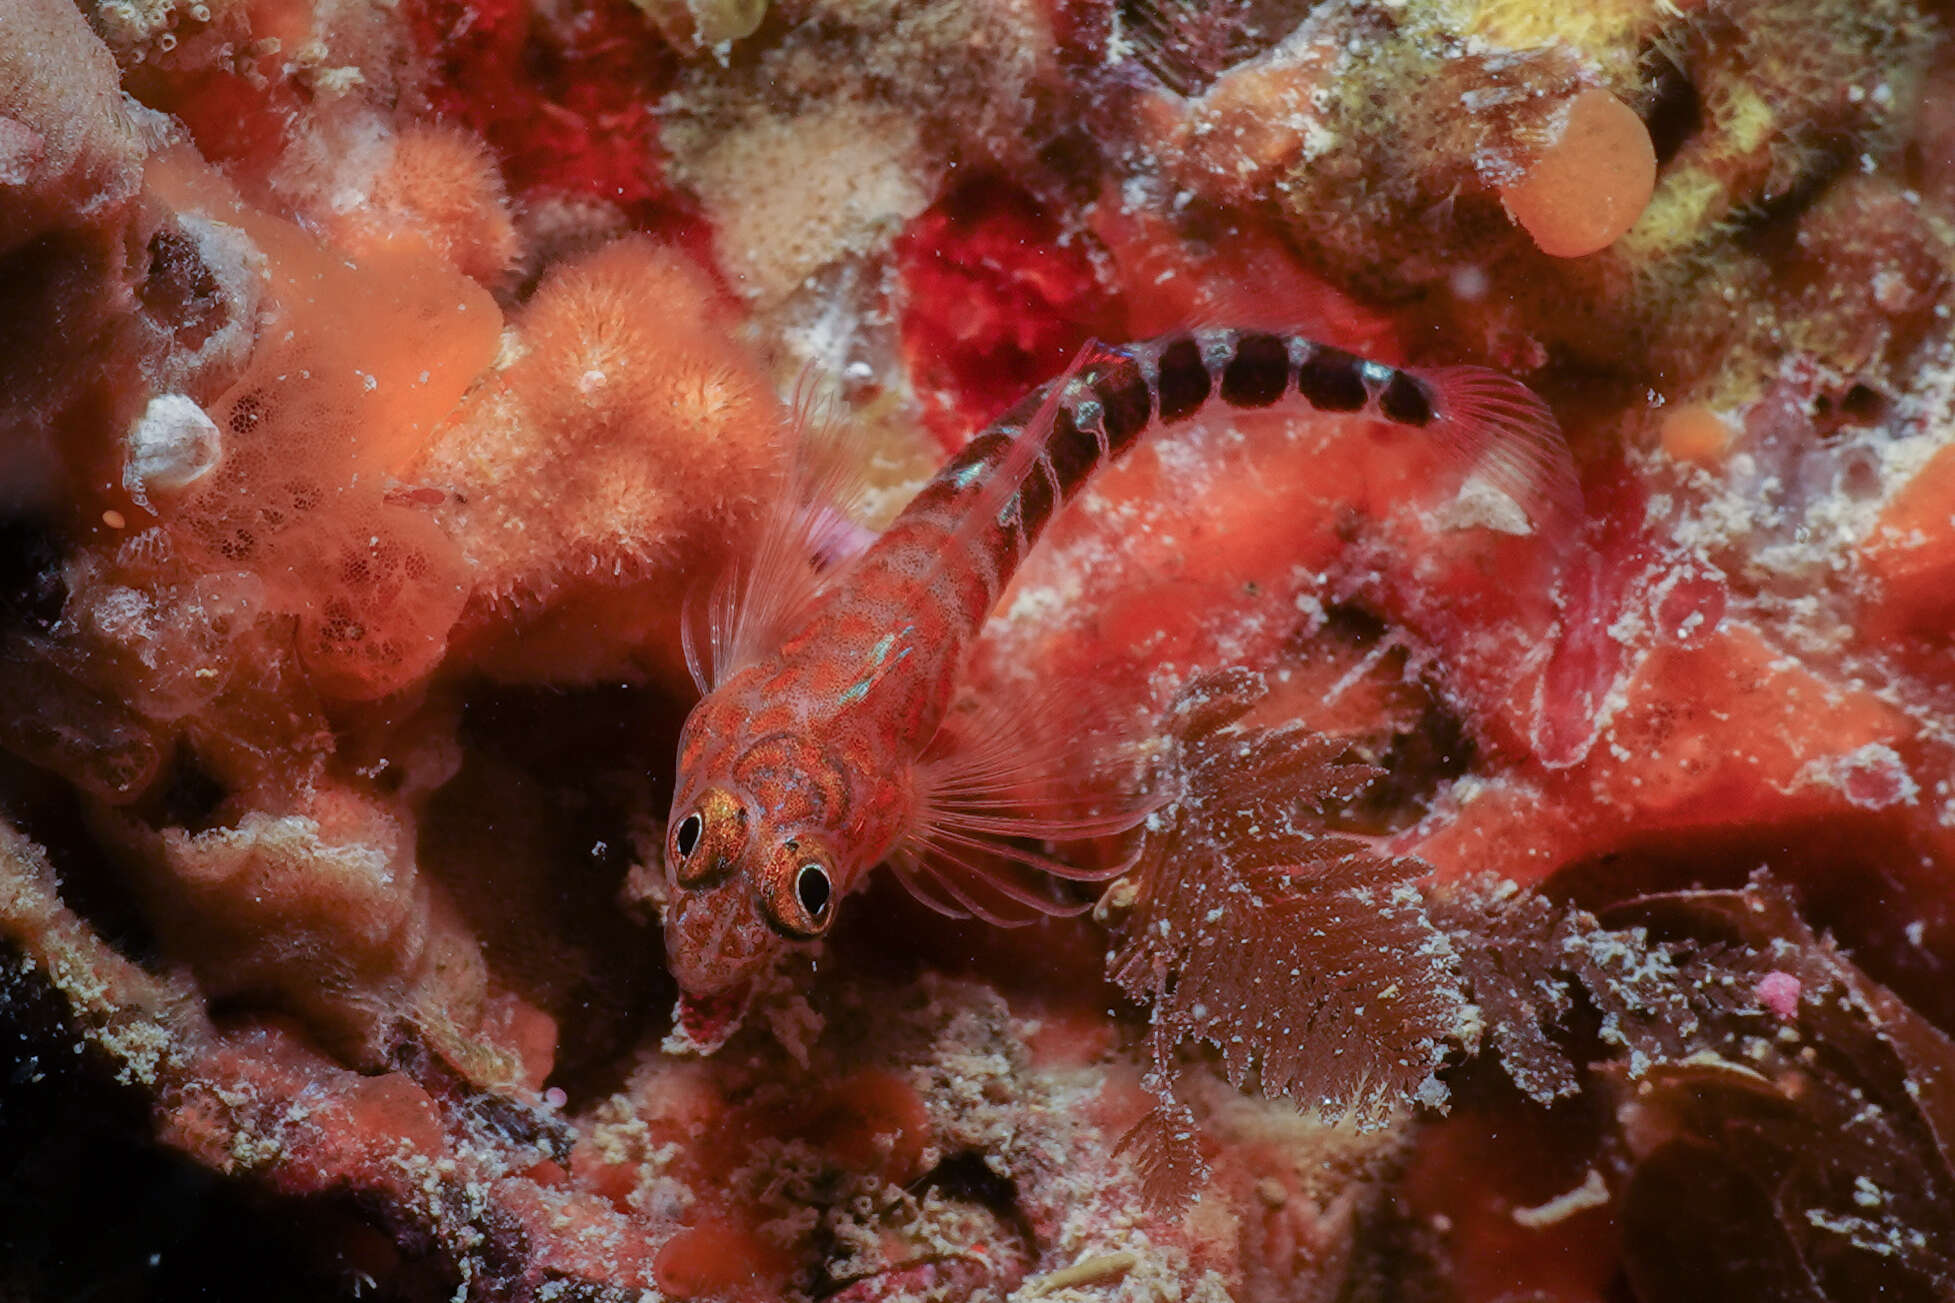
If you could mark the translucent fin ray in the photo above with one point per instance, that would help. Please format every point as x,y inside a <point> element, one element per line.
<point>910,874</point>
<point>937,871</point>
<point>995,846</point>
<point>1040,765</point>
<point>1500,429</point>
<point>805,533</point>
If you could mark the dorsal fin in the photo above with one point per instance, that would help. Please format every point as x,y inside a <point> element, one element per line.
<point>806,530</point>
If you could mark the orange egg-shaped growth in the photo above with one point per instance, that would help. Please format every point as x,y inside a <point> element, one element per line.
<point>1696,434</point>
<point>1590,183</point>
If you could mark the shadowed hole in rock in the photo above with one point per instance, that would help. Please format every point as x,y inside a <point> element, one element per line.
<point>90,1208</point>
<point>51,814</point>
<point>1391,719</point>
<point>966,1176</point>
<point>533,836</point>
<point>1863,404</point>
<point>1772,223</point>
<point>1857,406</point>
<point>188,796</point>
<point>32,587</point>
<point>179,289</point>
<point>1675,112</point>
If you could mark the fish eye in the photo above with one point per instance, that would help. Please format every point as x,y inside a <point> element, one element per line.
<point>707,843</point>
<point>686,840</point>
<point>799,900</point>
<point>813,891</point>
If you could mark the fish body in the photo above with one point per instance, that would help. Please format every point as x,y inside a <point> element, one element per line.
<point>828,747</point>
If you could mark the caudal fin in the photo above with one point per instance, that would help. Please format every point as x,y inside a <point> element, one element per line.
<point>1495,427</point>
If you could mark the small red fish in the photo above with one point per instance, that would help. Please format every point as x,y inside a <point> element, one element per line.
<point>831,738</point>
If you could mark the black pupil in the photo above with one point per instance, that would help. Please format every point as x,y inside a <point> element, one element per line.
<point>688,836</point>
<point>812,887</point>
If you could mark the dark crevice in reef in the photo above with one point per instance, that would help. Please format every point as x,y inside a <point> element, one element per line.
<point>1418,743</point>
<point>534,838</point>
<point>90,1209</point>
<point>1856,405</point>
<point>1772,225</point>
<point>1676,111</point>
<point>51,813</point>
<point>188,795</point>
<point>1435,750</point>
<point>966,1177</point>
<point>32,589</point>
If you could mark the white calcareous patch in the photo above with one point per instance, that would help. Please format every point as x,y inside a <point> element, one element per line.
<point>1483,504</point>
<point>171,446</point>
<point>1872,777</point>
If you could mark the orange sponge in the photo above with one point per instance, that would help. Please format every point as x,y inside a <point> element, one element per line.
<point>720,1260</point>
<point>1909,558</point>
<point>320,905</point>
<point>442,184</point>
<point>1590,183</point>
<point>619,449</point>
<point>356,365</point>
<point>1705,730</point>
<point>380,592</point>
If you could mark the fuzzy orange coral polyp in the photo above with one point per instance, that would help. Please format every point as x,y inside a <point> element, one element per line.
<point>592,478</point>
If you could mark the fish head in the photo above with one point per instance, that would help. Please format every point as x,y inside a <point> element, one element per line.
<point>751,866</point>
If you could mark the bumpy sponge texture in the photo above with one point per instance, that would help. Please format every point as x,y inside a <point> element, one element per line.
<point>626,440</point>
<point>356,366</point>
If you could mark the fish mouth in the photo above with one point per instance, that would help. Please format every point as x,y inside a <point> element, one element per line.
<point>702,1024</point>
<point>715,941</point>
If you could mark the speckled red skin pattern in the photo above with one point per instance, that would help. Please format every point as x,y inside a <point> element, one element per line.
<point>820,739</point>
